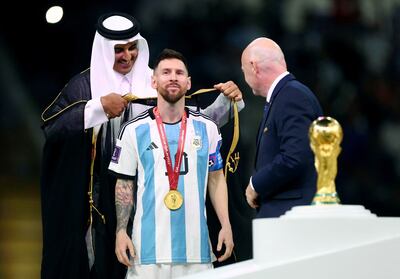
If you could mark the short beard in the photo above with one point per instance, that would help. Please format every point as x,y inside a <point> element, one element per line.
<point>172,99</point>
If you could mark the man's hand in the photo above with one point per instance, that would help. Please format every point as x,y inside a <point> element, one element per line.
<point>113,104</point>
<point>225,237</point>
<point>122,244</point>
<point>230,90</point>
<point>251,196</point>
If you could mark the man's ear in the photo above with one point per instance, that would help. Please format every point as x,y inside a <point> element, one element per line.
<point>153,82</point>
<point>254,67</point>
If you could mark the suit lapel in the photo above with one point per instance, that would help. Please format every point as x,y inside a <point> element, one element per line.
<point>267,109</point>
<point>262,123</point>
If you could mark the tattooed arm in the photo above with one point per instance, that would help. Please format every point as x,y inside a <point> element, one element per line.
<point>123,205</point>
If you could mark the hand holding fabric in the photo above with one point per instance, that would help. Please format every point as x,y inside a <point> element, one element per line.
<point>230,90</point>
<point>113,104</point>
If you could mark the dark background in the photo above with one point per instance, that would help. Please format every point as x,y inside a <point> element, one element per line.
<point>346,51</point>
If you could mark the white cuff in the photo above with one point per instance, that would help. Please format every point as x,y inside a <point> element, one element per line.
<point>94,114</point>
<point>251,184</point>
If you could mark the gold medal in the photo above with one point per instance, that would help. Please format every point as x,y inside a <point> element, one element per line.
<point>173,200</point>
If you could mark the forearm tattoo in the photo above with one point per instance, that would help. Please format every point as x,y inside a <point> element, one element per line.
<point>123,202</point>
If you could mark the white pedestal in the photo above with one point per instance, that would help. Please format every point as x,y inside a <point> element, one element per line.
<point>324,241</point>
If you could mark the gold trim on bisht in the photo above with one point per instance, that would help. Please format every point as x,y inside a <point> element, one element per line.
<point>45,119</point>
<point>90,193</point>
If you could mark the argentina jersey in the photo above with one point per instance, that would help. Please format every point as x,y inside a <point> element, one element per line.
<point>161,235</point>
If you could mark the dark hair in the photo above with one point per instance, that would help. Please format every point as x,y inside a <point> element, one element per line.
<point>170,54</point>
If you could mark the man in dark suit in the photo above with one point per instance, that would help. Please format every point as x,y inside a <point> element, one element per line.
<point>284,174</point>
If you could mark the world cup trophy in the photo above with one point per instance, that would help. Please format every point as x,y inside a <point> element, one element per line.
<point>325,135</point>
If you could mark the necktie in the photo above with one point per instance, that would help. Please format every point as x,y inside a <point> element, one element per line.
<point>261,128</point>
<point>262,123</point>
<point>266,107</point>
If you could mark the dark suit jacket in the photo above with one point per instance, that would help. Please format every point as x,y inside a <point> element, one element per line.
<point>284,175</point>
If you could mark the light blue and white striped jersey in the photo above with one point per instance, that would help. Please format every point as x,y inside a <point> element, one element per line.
<point>161,235</point>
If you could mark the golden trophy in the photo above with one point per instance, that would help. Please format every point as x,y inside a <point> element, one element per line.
<point>325,135</point>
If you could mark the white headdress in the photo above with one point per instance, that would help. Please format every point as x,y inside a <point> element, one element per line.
<point>112,29</point>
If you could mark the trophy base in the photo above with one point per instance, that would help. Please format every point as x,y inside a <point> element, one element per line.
<point>326,198</point>
<point>329,211</point>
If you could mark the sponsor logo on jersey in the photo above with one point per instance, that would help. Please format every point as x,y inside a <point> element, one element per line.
<point>152,146</point>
